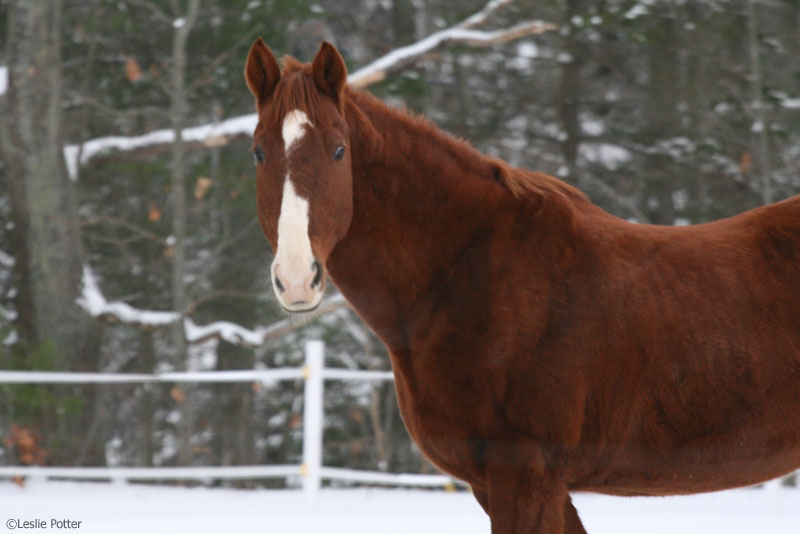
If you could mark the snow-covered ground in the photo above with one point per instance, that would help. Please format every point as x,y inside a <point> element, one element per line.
<point>121,509</point>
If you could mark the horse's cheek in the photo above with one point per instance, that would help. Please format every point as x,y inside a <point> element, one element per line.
<point>268,220</point>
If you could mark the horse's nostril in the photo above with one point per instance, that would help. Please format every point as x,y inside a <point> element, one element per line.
<point>279,285</point>
<point>317,268</point>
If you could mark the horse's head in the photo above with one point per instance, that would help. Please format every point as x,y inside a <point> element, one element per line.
<point>304,176</point>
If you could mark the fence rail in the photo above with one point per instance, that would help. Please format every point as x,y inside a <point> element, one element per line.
<point>312,472</point>
<point>265,375</point>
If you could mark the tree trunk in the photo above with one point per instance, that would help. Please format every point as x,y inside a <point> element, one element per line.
<point>178,112</point>
<point>47,242</point>
<point>760,126</point>
<point>571,59</point>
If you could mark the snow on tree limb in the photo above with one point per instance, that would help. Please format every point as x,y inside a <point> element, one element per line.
<point>376,71</point>
<point>401,58</point>
<point>238,335</point>
<point>94,302</point>
<point>3,79</point>
<point>208,134</point>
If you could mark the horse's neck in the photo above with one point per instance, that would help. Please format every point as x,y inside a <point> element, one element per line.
<point>416,205</point>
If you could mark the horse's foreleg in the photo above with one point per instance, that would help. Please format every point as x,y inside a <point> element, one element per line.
<point>572,523</point>
<point>482,496</point>
<point>524,499</point>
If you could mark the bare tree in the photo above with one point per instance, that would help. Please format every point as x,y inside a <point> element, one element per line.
<point>760,126</point>
<point>47,242</point>
<point>178,111</point>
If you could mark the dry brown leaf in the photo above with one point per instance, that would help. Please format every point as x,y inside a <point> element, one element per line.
<point>745,162</point>
<point>295,421</point>
<point>132,70</point>
<point>177,395</point>
<point>154,215</point>
<point>201,187</point>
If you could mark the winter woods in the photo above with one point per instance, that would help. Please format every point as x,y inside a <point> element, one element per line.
<point>129,242</point>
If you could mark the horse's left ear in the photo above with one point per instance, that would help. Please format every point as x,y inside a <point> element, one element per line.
<point>329,70</point>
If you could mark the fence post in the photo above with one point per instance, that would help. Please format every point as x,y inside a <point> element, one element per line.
<point>313,417</point>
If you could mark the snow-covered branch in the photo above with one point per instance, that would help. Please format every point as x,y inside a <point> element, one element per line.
<point>390,63</point>
<point>401,58</point>
<point>239,335</point>
<point>208,134</point>
<point>6,259</point>
<point>94,302</point>
<point>3,79</point>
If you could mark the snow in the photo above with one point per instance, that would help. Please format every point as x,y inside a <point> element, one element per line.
<point>243,124</point>
<point>95,304</point>
<point>230,332</point>
<point>76,155</point>
<point>458,33</point>
<point>593,127</point>
<point>608,155</point>
<point>3,79</point>
<point>527,50</point>
<point>93,301</point>
<point>639,9</point>
<point>134,509</point>
<point>6,259</point>
<point>791,103</point>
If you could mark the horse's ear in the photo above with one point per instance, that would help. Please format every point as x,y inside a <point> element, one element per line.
<point>261,71</point>
<point>329,70</point>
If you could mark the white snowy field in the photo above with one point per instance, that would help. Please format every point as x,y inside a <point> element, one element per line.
<point>122,509</point>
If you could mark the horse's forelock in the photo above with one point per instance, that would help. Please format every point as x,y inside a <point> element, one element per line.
<point>296,91</point>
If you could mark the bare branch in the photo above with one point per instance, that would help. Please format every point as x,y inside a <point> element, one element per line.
<point>238,335</point>
<point>389,64</point>
<point>208,73</point>
<point>137,230</point>
<point>405,56</point>
<point>481,17</point>
<point>94,302</point>
<point>157,13</point>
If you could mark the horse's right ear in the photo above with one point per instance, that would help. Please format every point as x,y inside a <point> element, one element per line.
<point>261,71</point>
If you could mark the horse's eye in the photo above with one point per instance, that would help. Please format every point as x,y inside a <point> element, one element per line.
<point>338,153</point>
<point>258,154</point>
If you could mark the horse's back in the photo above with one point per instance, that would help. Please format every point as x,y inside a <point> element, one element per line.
<point>702,326</point>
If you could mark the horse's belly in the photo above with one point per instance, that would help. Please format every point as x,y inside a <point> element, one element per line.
<point>696,467</point>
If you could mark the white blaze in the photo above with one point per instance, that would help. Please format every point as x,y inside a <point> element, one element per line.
<point>294,127</point>
<point>294,247</point>
<point>294,254</point>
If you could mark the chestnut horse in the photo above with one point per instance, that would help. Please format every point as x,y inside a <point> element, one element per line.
<point>540,345</point>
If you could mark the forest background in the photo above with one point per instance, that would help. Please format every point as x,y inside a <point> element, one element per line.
<point>666,112</point>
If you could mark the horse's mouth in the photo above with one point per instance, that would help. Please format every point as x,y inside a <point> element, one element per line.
<point>300,308</point>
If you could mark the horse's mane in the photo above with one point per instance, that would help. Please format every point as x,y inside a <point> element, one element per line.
<point>299,91</point>
<point>522,183</point>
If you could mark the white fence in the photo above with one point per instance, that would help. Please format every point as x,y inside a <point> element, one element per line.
<point>311,470</point>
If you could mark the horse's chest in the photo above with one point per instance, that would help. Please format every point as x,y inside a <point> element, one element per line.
<point>450,433</point>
